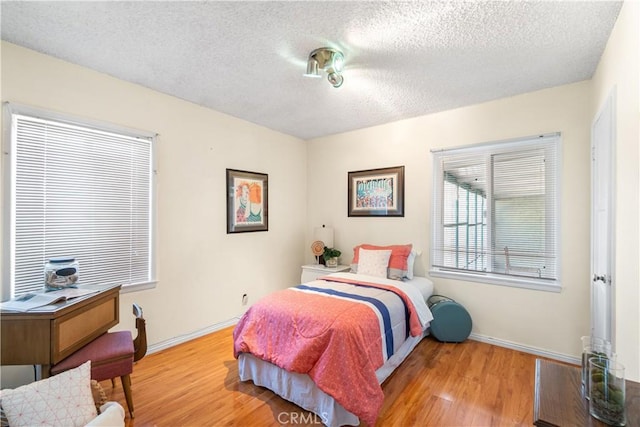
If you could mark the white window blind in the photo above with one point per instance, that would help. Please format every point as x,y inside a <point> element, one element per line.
<point>495,215</point>
<point>83,192</point>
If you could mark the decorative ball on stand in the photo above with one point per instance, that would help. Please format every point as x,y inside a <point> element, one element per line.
<point>317,248</point>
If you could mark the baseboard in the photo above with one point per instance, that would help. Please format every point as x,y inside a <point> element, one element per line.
<point>526,349</point>
<point>163,345</point>
<point>476,337</point>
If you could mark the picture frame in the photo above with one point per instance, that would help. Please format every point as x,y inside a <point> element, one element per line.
<point>247,201</point>
<point>376,192</point>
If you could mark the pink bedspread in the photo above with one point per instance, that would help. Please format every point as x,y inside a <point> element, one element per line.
<point>337,342</point>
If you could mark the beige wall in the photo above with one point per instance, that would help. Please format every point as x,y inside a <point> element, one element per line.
<point>619,71</point>
<point>551,322</point>
<point>203,271</point>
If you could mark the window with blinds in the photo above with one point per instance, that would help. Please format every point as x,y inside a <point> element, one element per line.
<point>495,212</point>
<point>79,191</point>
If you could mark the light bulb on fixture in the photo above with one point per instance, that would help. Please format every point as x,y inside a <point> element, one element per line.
<point>328,59</point>
<point>335,79</point>
<point>338,61</point>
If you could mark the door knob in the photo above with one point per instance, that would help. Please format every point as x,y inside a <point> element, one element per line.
<point>603,278</point>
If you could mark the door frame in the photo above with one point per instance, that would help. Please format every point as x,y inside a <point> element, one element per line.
<point>607,107</point>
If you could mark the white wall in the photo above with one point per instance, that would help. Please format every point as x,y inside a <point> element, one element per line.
<point>619,70</point>
<point>548,321</point>
<point>202,270</point>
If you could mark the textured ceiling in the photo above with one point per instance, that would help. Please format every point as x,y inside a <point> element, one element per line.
<point>246,59</point>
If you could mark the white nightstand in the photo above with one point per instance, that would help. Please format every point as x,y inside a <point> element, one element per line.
<point>313,271</point>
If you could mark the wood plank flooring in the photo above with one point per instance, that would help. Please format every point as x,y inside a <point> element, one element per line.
<point>466,384</point>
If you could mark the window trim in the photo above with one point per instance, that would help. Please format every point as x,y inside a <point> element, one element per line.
<point>549,285</point>
<point>9,109</point>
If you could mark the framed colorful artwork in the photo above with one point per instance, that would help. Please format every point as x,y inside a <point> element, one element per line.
<point>247,201</point>
<point>376,192</point>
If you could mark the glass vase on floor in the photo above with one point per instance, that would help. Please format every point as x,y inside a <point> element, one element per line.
<point>607,391</point>
<point>592,347</point>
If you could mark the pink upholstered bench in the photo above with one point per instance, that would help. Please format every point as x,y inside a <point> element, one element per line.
<point>112,355</point>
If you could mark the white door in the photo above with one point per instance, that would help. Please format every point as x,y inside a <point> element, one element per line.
<point>602,236</point>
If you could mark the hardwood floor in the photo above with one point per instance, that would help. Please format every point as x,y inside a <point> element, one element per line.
<point>466,384</point>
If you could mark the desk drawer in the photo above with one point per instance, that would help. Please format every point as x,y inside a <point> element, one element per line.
<point>77,329</point>
<point>25,341</point>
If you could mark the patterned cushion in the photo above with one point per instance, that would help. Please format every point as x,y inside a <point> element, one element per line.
<point>398,265</point>
<point>373,263</point>
<point>62,400</point>
<point>4,422</point>
<point>97,392</point>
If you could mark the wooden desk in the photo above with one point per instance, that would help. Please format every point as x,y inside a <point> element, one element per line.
<point>46,337</point>
<point>559,402</point>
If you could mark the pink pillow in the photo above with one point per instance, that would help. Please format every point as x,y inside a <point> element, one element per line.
<point>398,266</point>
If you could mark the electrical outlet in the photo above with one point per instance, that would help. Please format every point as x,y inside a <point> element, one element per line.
<point>245,299</point>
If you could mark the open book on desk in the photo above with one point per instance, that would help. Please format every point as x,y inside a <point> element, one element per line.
<point>33,301</point>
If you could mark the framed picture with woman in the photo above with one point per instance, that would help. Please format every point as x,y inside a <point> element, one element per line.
<point>247,201</point>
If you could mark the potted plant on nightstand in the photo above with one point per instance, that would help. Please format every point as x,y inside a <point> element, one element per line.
<point>331,256</point>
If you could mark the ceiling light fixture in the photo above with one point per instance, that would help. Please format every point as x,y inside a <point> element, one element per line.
<point>328,59</point>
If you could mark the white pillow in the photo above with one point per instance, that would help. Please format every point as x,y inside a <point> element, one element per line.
<point>62,400</point>
<point>410,263</point>
<point>373,262</point>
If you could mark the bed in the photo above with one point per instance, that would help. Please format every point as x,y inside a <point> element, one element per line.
<point>328,344</point>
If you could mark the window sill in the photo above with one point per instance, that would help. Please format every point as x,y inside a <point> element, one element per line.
<point>138,287</point>
<point>493,279</point>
